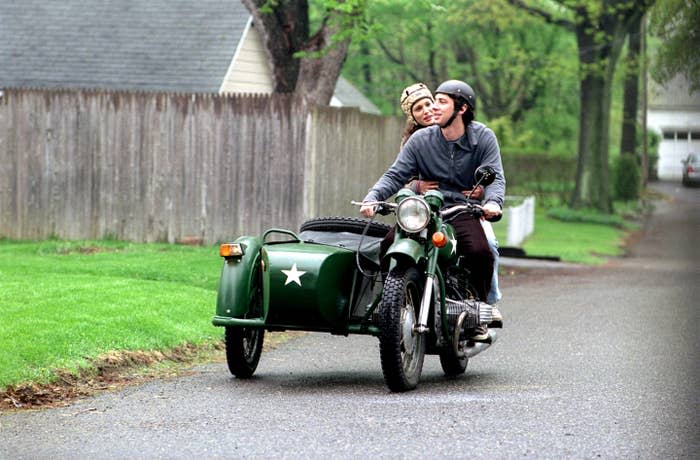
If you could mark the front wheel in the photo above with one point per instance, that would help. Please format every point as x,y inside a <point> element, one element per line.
<point>401,349</point>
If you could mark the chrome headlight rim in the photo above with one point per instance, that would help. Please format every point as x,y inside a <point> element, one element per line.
<point>413,214</point>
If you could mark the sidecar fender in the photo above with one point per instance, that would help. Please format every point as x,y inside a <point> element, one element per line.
<point>404,248</point>
<point>235,284</point>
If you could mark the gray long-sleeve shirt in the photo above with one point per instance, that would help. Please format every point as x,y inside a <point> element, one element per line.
<point>429,156</point>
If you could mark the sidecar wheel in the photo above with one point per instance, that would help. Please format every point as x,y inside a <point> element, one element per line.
<point>345,224</point>
<point>401,349</point>
<point>244,345</point>
<point>243,350</point>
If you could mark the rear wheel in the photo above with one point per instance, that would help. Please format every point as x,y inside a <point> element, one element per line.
<point>457,287</point>
<point>401,349</point>
<point>452,364</point>
<point>244,345</point>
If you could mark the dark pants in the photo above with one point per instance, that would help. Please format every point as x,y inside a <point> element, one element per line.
<point>471,243</point>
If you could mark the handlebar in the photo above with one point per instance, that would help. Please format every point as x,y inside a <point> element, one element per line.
<point>469,207</point>
<point>383,207</point>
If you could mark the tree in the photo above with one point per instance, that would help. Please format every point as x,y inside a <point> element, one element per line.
<point>520,67</point>
<point>628,143</point>
<point>676,23</point>
<point>302,63</point>
<point>627,174</point>
<point>600,27</point>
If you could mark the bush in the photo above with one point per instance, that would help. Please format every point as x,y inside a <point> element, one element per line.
<point>589,216</point>
<point>627,178</point>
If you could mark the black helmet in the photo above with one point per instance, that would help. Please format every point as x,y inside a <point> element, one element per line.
<point>459,91</point>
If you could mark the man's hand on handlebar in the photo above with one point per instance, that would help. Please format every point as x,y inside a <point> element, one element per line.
<point>368,210</point>
<point>491,210</point>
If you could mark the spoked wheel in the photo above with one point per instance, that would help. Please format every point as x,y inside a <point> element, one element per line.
<point>244,345</point>
<point>401,349</point>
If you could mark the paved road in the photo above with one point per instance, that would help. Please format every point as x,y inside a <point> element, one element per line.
<point>595,363</point>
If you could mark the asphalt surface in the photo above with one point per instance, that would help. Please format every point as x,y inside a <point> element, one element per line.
<point>594,363</point>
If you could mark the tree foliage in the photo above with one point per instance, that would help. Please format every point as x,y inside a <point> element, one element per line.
<point>520,68</point>
<point>676,22</point>
<point>600,27</point>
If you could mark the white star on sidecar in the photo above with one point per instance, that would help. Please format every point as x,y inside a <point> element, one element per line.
<point>293,275</point>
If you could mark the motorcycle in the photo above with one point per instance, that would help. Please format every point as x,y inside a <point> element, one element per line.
<point>416,299</point>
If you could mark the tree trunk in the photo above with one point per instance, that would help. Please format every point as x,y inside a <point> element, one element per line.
<point>283,32</point>
<point>318,75</point>
<point>592,188</point>
<point>628,144</point>
<point>284,28</point>
<point>597,61</point>
<point>645,76</point>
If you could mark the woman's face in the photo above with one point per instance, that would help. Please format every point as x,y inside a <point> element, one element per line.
<point>422,112</point>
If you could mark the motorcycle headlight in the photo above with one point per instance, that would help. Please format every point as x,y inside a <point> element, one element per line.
<point>413,214</point>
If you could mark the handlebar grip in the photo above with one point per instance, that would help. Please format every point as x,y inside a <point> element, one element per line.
<point>383,210</point>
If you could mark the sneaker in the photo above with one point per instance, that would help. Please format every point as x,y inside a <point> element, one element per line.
<point>497,316</point>
<point>480,334</point>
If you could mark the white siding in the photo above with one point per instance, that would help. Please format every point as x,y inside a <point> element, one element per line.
<point>680,131</point>
<point>249,71</point>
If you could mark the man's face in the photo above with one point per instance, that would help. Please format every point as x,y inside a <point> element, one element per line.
<point>443,107</point>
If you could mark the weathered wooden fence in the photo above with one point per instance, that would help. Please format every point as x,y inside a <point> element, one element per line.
<point>163,167</point>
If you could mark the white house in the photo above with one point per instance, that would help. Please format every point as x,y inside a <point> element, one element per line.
<point>674,113</point>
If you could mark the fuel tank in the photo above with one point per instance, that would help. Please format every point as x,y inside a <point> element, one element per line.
<point>448,254</point>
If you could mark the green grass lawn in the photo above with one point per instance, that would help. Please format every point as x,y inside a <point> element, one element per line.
<point>578,242</point>
<point>62,304</point>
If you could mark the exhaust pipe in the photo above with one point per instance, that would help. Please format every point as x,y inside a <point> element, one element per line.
<point>477,347</point>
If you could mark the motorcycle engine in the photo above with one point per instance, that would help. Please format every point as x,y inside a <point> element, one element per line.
<point>460,300</point>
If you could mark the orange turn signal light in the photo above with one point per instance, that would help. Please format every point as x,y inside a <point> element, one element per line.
<point>439,239</point>
<point>231,250</point>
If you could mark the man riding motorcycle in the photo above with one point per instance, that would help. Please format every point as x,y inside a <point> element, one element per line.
<point>450,152</point>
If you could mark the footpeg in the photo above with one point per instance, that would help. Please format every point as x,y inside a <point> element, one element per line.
<point>485,312</point>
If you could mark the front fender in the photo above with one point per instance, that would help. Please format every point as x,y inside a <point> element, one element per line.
<point>236,281</point>
<point>403,248</point>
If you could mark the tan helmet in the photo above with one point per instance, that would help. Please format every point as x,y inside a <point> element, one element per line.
<point>413,94</point>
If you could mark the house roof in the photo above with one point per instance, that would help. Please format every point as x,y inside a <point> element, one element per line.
<point>347,95</point>
<point>173,45</point>
<point>154,45</point>
<point>673,95</point>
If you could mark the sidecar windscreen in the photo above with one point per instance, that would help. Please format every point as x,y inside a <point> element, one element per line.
<point>352,241</point>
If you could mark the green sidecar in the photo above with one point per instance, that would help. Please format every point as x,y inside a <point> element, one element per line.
<point>310,281</point>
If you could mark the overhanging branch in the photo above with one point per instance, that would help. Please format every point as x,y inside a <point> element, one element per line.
<point>547,16</point>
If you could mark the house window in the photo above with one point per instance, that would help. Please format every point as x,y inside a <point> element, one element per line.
<point>682,135</point>
<point>695,135</point>
<point>669,135</point>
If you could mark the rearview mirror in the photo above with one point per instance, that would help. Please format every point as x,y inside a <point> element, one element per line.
<point>485,175</point>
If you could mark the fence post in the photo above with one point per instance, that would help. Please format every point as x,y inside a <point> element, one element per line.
<point>521,220</point>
